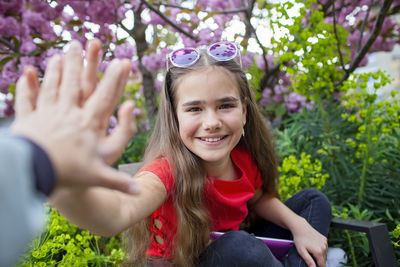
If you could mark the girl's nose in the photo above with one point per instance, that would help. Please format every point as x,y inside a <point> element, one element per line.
<point>211,122</point>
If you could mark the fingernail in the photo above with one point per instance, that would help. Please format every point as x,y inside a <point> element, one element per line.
<point>134,188</point>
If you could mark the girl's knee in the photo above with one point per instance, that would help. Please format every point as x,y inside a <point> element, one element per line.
<point>244,247</point>
<point>238,237</point>
<point>317,196</point>
<point>313,193</point>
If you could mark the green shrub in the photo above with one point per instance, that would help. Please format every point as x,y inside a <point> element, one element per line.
<point>396,236</point>
<point>357,142</point>
<point>296,174</point>
<point>63,244</point>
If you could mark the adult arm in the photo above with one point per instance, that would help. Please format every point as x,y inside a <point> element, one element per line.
<point>21,205</point>
<point>63,121</point>
<point>108,212</point>
<point>308,241</point>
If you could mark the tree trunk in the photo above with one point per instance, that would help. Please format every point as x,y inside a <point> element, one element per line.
<point>149,90</point>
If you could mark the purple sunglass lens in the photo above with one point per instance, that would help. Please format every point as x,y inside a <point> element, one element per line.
<point>184,57</point>
<point>223,51</point>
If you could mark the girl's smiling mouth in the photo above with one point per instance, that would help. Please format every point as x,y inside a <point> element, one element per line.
<point>212,139</point>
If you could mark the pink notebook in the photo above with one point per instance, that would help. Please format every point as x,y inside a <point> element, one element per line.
<point>278,247</point>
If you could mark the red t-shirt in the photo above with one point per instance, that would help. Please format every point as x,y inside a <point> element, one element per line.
<point>226,200</point>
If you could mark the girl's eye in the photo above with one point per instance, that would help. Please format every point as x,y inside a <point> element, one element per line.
<point>226,106</point>
<point>193,109</point>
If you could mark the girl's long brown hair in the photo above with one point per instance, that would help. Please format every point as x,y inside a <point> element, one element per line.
<point>193,220</point>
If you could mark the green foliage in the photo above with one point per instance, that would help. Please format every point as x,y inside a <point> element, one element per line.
<point>357,142</point>
<point>376,122</point>
<point>396,236</point>
<point>63,244</point>
<point>312,51</point>
<point>355,243</point>
<point>296,174</point>
<point>255,76</point>
<point>135,149</point>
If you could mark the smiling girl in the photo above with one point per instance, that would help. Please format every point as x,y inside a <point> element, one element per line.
<point>210,163</point>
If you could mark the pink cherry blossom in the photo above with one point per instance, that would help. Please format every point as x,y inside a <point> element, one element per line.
<point>247,60</point>
<point>125,50</point>
<point>9,26</point>
<point>27,47</point>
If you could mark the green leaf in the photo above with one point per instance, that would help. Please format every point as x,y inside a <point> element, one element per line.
<point>35,52</point>
<point>5,60</point>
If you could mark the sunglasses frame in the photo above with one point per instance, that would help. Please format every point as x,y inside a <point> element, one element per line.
<point>237,52</point>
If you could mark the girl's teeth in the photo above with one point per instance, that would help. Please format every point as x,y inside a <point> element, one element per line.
<point>212,139</point>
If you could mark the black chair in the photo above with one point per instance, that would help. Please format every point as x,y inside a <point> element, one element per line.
<point>378,238</point>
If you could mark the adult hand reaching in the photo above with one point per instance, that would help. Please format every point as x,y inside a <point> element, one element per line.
<point>68,113</point>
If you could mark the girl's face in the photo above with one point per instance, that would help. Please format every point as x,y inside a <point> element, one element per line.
<point>210,114</point>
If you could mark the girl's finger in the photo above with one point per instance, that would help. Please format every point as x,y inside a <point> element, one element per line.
<point>51,81</point>
<point>27,90</point>
<point>90,72</point>
<point>321,258</point>
<point>306,257</point>
<point>71,76</point>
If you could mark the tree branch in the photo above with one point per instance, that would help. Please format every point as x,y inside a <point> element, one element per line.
<point>268,77</point>
<point>170,22</point>
<point>337,39</point>
<point>8,45</point>
<point>327,13</point>
<point>228,11</point>
<point>371,39</point>
<point>139,35</point>
<point>249,26</point>
<point>394,10</point>
<point>267,72</point>
<point>363,25</point>
<point>128,31</point>
<point>326,6</point>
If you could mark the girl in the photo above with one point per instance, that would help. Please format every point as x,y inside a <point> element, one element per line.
<point>209,163</point>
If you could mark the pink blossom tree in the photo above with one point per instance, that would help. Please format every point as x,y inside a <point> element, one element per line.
<point>33,30</point>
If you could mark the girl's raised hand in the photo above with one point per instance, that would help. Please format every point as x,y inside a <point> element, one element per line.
<point>310,244</point>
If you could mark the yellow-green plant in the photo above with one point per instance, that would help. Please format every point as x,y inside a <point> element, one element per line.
<point>358,144</point>
<point>376,120</point>
<point>63,244</point>
<point>396,235</point>
<point>357,242</point>
<point>296,174</point>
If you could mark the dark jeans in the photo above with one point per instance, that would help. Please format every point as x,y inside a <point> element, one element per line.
<point>240,248</point>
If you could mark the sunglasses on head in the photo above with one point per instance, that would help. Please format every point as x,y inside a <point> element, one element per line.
<point>186,57</point>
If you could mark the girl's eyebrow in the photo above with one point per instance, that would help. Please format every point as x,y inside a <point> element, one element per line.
<point>192,103</point>
<point>228,99</point>
<point>221,100</point>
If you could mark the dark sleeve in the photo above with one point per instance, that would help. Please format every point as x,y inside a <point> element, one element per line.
<point>43,171</point>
